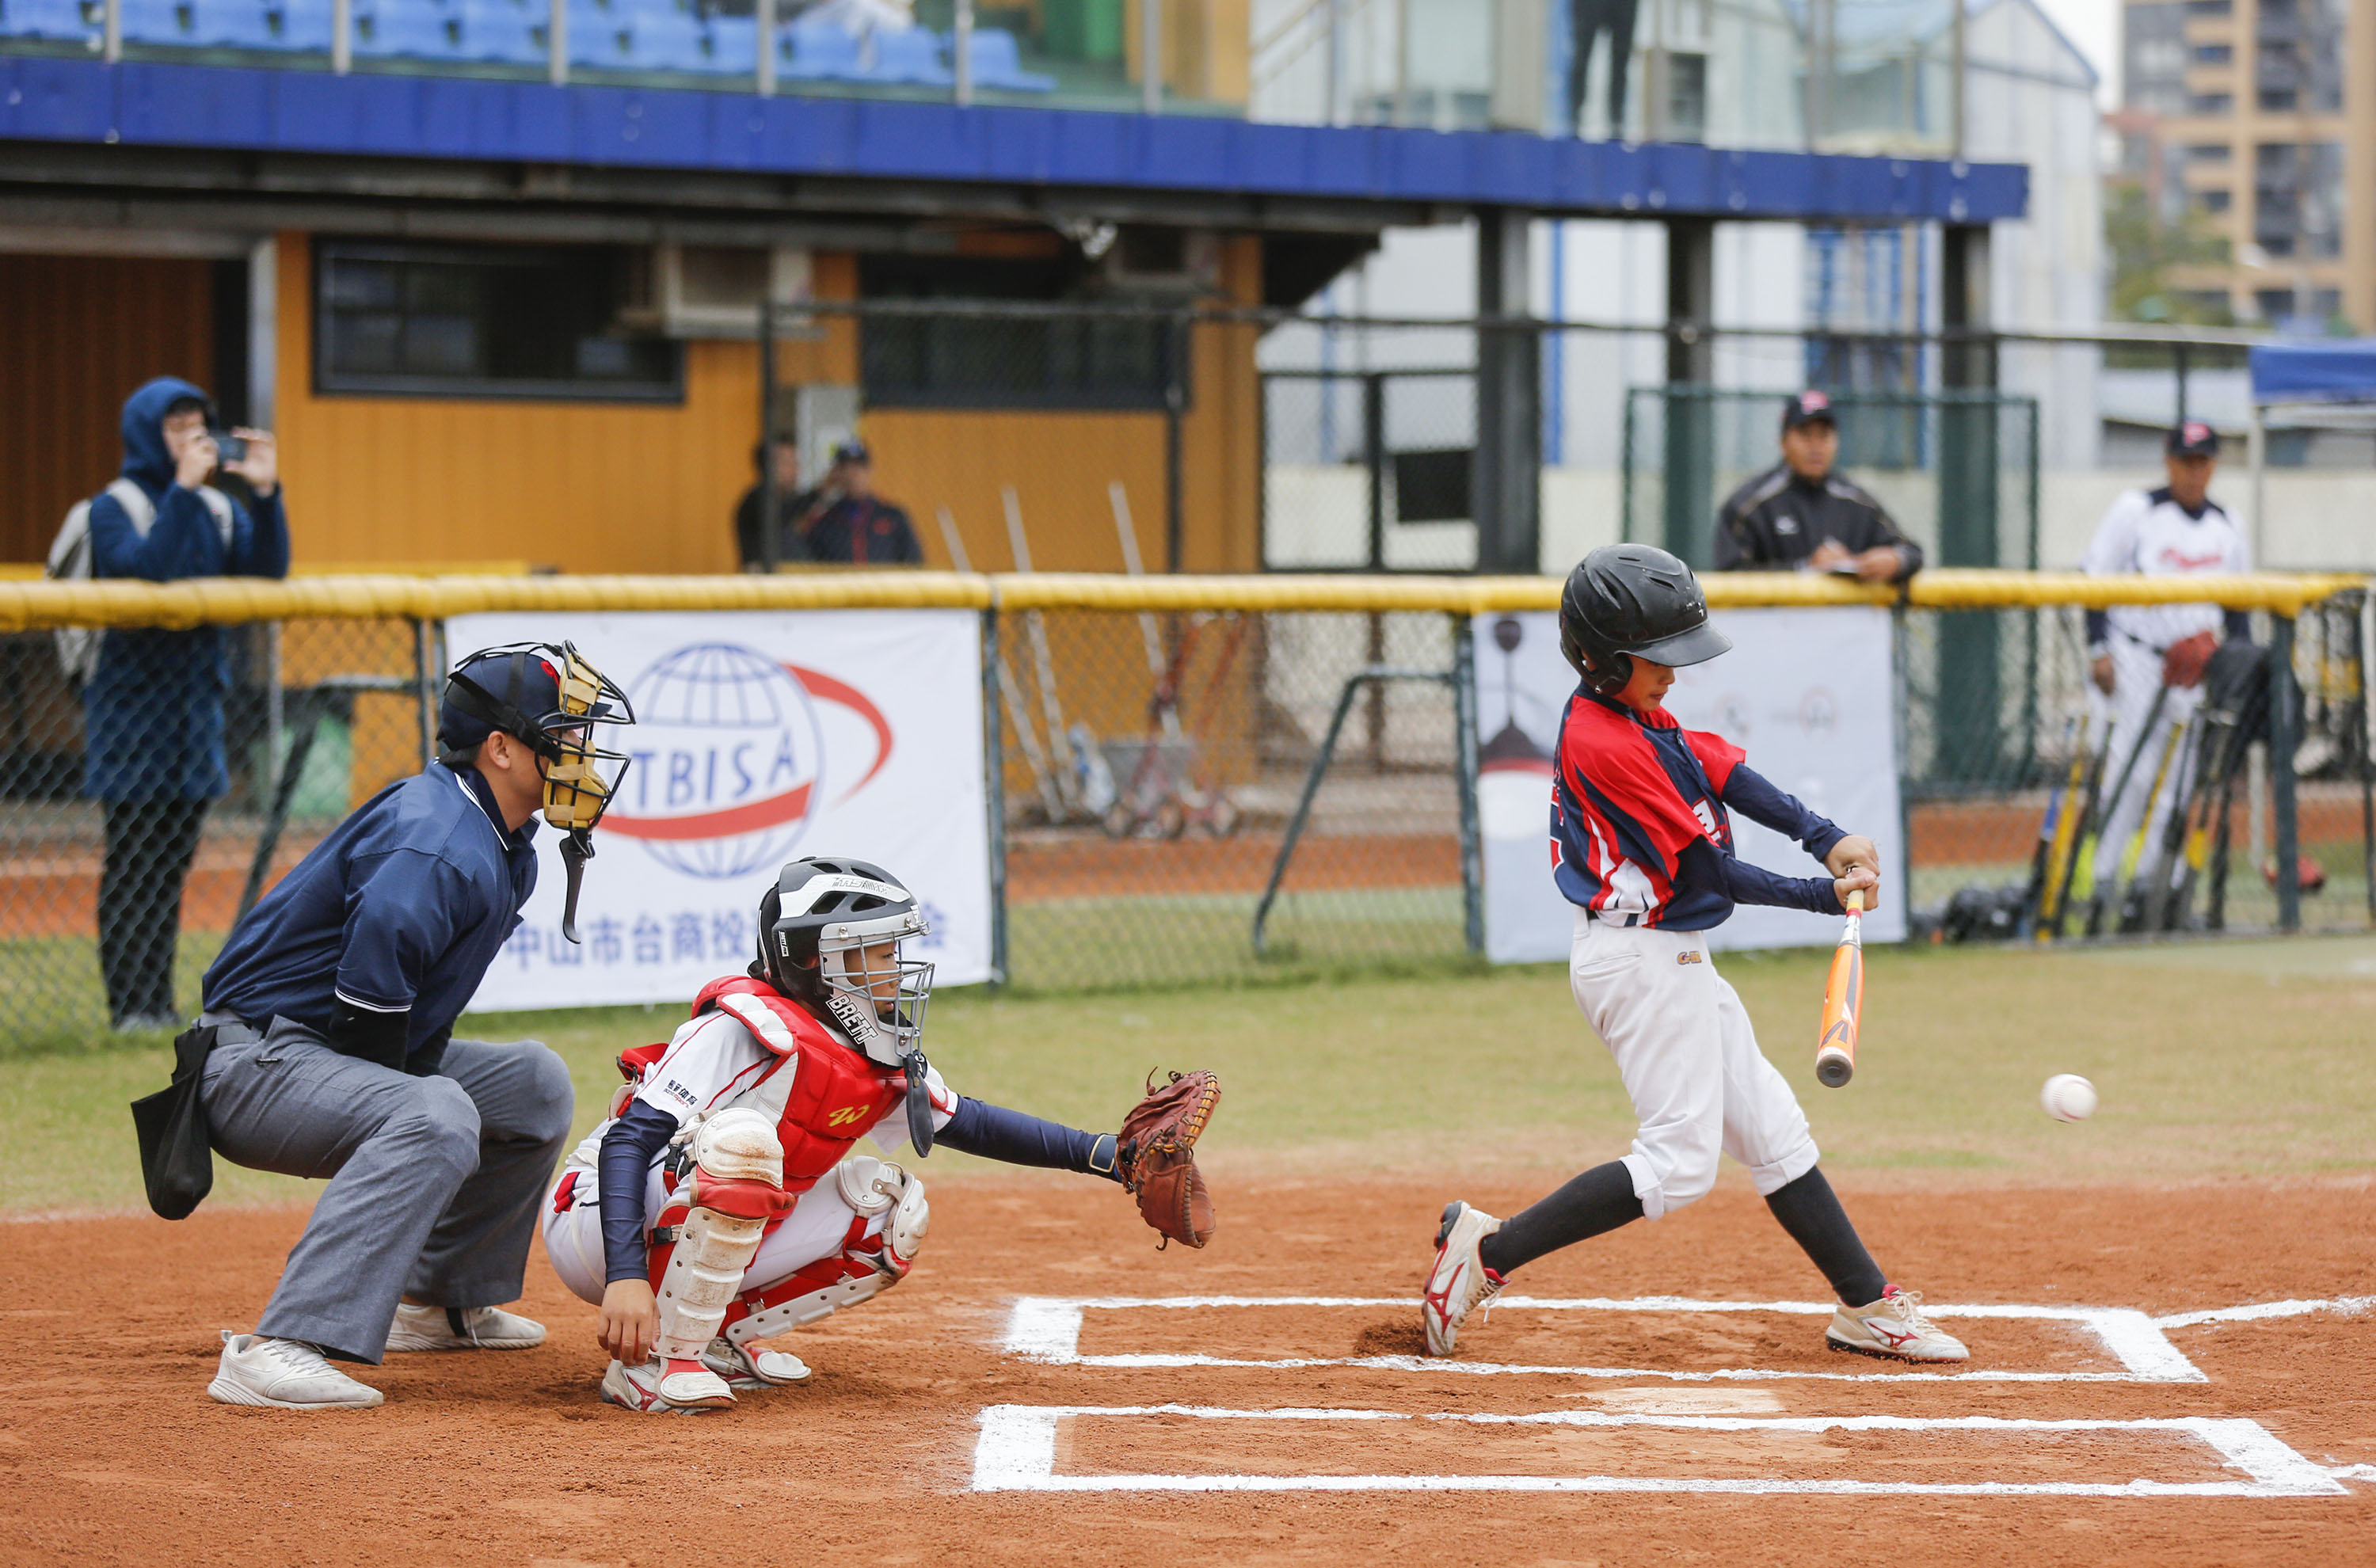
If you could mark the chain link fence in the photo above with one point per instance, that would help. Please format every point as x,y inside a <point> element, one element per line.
<point>2008,764</point>
<point>1182,796</point>
<point>142,812</point>
<point>1154,765</point>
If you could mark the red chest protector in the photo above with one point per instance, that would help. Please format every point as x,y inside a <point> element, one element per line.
<point>823,1095</point>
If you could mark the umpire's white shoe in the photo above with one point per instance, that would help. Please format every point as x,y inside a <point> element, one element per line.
<point>461,1329</point>
<point>653,1389</point>
<point>1894,1327</point>
<point>745,1370</point>
<point>1460,1283</point>
<point>287,1374</point>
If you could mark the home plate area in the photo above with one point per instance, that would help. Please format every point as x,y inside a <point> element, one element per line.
<point>1730,1396</point>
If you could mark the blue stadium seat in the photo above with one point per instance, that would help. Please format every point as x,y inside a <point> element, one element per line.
<point>504,32</point>
<point>910,55</point>
<point>734,45</point>
<point>602,34</point>
<point>410,30</point>
<point>235,24</point>
<point>667,38</point>
<point>997,63</point>
<point>158,21</point>
<point>60,19</point>
<point>299,25</point>
<point>819,51</point>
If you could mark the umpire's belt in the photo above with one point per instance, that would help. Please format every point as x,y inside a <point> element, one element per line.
<point>229,1029</point>
<point>1608,918</point>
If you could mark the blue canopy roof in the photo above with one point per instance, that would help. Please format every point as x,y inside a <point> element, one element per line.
<point>2315,373</point>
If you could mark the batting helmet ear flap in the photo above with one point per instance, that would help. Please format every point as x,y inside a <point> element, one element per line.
<point>1610,681</point>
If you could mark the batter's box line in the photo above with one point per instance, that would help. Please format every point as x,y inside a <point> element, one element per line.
<point>1047,1329</point>
<point>1016,1452</point>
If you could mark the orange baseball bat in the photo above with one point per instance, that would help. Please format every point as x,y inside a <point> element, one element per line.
<point>1843,1002</point>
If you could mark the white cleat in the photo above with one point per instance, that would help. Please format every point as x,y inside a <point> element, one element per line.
<point>462,1329</point>
<point>1894,1328</point>
<point>745,1370</point>
<point>654,1390</point>
<point>1460,1283</point>
<point>287,1374</point>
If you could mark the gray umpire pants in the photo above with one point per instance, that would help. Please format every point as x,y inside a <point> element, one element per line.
<point>434,1182</point>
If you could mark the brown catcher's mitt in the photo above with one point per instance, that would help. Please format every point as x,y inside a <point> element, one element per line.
<point>1157,1151</point>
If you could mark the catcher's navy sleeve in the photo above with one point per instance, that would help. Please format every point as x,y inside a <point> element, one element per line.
<point>634,1141</point>
<point>995,1133</point>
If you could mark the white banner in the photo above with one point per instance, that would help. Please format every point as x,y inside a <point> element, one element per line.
<point>1805,693</point>
<point>759,736</point>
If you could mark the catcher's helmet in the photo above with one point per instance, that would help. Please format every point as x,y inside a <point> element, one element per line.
<point>818,925</point>
<point>1628,599</point>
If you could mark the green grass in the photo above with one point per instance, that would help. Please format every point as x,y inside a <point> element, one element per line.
<point>2214,1059</point>
<point>1081,945</point>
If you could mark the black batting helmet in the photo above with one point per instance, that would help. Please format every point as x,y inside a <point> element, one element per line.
<point>1628,599</point>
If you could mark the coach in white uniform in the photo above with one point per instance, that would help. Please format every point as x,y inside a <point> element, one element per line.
<point>2136,650</point>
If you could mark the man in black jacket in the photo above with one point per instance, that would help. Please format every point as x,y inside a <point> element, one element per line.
<point>1800,515</point>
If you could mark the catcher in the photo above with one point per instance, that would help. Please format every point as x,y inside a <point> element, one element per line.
<point>721,1204</point>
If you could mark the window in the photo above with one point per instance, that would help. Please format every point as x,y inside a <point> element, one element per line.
<point>976,357</point>
<point>2212,201</point>
<point>2209,152</point>
<point>2214,54</point>
<point>2279,100</point>
<point>2311,307</point>
<point>2298,197</point>
<point>2210,7</point>
<point>486,321</point>
<point>2210,103</point>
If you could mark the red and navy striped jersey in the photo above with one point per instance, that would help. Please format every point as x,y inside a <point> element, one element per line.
<point>1639,825</point>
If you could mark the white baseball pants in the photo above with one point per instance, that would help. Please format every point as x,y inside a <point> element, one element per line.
<point>816,1229</point>
<point>1688,1055</point>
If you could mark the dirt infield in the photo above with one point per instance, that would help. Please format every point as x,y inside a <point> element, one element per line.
<point>115,1454</point>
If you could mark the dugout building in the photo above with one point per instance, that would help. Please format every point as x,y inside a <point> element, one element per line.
<point>491,268</point>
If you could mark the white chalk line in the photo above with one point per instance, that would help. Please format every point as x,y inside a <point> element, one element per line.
<point>1016,1452</point>
<point>1496,1369</point>
<point>2260,1311</point>
<point>1047,1329</point>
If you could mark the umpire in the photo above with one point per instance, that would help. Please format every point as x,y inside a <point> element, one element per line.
<point>1800,515</point>
<point>334,1004</point>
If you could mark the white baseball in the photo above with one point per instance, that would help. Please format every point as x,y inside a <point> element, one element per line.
<point>2068,1097</point>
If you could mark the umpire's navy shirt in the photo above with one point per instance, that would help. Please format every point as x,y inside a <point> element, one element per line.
<point>401,909</point>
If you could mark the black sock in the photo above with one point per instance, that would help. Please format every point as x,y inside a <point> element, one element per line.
<point>1810,1211</point>
<point>1601,1199</point>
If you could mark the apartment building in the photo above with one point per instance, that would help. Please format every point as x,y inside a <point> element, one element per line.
<point>2264,112</point>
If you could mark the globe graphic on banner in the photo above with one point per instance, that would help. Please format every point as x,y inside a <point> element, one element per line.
<point>727,757</point>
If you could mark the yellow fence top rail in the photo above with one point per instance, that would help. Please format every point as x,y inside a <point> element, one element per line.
<point>26,606</point>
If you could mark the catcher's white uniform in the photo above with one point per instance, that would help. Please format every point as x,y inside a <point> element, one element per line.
<point>714,1063</point>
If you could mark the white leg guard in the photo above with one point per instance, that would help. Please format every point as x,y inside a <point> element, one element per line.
<point>733,1150</point>
<point>862,1269</point>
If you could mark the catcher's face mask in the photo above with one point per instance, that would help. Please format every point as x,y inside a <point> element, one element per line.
<point>878,995</point>
<point>503,688</point>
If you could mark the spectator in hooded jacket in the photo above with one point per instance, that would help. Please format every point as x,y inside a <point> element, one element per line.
<point>153,707</point>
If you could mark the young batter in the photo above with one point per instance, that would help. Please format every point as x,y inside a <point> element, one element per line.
<point>1641,845</point>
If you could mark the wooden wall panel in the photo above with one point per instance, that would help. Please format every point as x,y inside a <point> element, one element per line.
<point>585,487</point>
<point>77,335</point>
